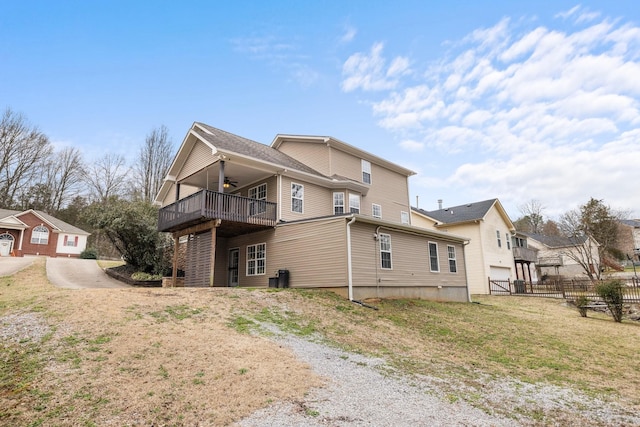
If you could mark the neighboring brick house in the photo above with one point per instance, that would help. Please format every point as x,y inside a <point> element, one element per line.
<point>312,210</point>
<point>489,230</point>
<point>34,232</point>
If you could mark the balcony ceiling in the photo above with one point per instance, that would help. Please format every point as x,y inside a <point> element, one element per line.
<point>241,175</point>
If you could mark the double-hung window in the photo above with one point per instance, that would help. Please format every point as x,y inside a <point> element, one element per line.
<point>376,210</point>
<point>498,237</point>
<point>508,239</point>
<point>354,203</point>
<point>40,235</point>
<point>338,203</point>
<point>385,251</point>
<point>297,197</point>
<point>434,264</point>
<point>366,172</point>
<point>453,264</point>
<point>258,193</point>
<point>256,259</point>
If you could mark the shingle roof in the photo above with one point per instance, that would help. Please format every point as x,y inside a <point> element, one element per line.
<point>461,213</point>
<point>631,222</point>
<point>237,144</point>
<point>59,224</point>
<point>556,241</point>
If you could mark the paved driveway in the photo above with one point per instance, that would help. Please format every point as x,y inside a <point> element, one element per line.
<point>75,273</point>
<point>11,265</point>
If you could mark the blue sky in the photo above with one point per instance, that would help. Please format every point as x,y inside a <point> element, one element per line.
<point>515,100</point>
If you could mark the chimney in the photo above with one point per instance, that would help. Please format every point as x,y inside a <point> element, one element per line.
<point>440,204</point>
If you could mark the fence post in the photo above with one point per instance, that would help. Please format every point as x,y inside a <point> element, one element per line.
<point>562,289</point>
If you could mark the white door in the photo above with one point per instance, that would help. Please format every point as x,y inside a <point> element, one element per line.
<point>6,244</point>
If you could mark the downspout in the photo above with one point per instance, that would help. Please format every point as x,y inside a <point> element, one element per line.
<point>466,276</point>
<point>279,196</point>
<point>349,264</point>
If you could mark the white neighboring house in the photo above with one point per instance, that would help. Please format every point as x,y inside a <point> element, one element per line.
<point>34,232</point>
<point>489,230</point>
<point>557,255</point>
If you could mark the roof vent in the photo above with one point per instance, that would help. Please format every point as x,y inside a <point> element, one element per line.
<point>452,212</point>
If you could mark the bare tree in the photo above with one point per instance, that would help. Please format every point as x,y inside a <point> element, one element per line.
<point>593,230</point>
<point>583,249</point>
<point>532,219</point>
<point>106,177</point>
<point>152,164</point>
<point>24,151</point>
<point>65,175</point>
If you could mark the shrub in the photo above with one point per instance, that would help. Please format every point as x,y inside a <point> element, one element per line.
<point>142,276</point>
<point>612,293</point>
<point>582,302</point>
<point>89,253</point>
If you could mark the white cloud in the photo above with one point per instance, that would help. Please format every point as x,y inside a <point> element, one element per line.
<point>546,113</point>
<point>369,71</point>
<point>412,145</point>
<point>349,34</point>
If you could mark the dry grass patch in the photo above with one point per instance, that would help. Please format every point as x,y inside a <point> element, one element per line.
<point>184,356</point>
<point>138,357</point>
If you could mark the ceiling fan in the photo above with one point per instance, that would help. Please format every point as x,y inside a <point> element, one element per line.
<point>229,183</point>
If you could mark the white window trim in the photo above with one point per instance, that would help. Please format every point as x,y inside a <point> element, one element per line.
<point>366,169</point>
<point>404,217</point>
<point>454,259</point>
<point>355,197</point>
<point>37,234</point>
<point>437,257</point>
<point>297,198</point>
<point>256,191</point>
<point>335,205</point>
<point>256,259</point>
<point>498,237</point>
<point>373,210</point>
<point>381,238</point>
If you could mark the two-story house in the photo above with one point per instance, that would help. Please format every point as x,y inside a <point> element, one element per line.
<point>317,210</point>
<point>489,229</point>
<point>564,256</point>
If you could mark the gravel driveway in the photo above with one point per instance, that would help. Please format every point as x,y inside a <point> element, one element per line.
<point>75,273</point>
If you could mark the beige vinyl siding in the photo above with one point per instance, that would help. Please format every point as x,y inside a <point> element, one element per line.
<point>389,190</point>
<point>241,242</point>
<point>314,155</point>
<point>318,201</point>
<point>347,165</point>
<point>272,189</point>
<point>410,260</point>
<point>199,157</point>
<point>185,190</point>
<point>314,253</point>
<point>418,220</point>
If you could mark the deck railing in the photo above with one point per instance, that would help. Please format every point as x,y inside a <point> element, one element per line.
<point>207,204</point>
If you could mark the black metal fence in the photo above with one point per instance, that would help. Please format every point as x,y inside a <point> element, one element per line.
<point>566,288</point>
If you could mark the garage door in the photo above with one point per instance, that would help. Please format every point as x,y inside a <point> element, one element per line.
<point>499,273</point>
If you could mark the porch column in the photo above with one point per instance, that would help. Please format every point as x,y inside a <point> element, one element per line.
<point>529,268</point>
<point>221,177</point>
<point>212,260</point>
<point>174,270</point>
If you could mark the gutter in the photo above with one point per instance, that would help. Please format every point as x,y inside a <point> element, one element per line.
<point>349,263</point>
